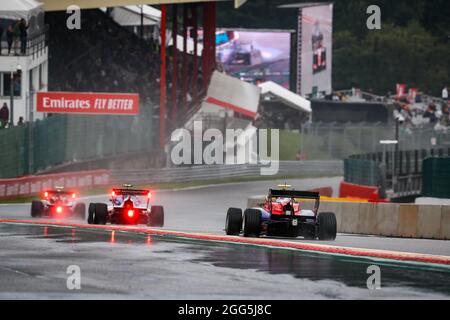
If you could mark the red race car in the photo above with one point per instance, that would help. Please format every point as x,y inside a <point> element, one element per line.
<point>58,203</point>
<point>285,213</point>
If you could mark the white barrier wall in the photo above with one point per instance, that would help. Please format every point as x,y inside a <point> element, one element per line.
<point>387,219</point>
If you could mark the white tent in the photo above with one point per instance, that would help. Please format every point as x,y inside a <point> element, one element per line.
<point>289,98</point>
<point>18,9</point>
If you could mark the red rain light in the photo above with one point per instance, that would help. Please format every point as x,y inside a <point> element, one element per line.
<point>113,194</point>
<point>46,194</point>
<point>149,195</point>
<point>74,195</point>
<point>58,209</point>
<point>130,213</point>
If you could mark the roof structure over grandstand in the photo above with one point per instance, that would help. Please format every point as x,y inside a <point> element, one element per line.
<point>303,5</point>
<point>131,15</point>
<point>59,5</point>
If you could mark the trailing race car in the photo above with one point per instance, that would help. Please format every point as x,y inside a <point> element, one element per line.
<point>58,203</point>
<point>282,215</point>
<point>128,206</point>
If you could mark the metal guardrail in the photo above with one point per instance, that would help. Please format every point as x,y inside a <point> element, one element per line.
<point>36,43</point>
<point>215,172</point>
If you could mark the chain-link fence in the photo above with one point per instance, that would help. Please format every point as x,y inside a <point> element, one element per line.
<point>405,172</point>
<point>320,141</point>
<point>62,139</point>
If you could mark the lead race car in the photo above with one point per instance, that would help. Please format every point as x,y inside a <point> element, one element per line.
<point>58,203</point>
<point>284,213</point>
<point>127,206</point>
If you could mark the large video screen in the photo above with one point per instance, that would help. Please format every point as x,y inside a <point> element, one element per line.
<point>255,56</point>
<point>315,50</point>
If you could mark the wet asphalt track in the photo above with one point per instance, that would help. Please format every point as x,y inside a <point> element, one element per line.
<point>204,209</point>
<point>32,264</point>
<point>34,261</point>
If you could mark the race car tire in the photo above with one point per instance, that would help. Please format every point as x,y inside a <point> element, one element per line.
<point>327,226</point>
<point>80,211</point>
<point>156,218</point>
<point>233,222</point>
<point>37,208</point>
<point>100,213</point>
<point>91,211</point>
<point>252,223</point>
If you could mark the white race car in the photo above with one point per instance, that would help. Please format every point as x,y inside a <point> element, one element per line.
<point>127,206</point>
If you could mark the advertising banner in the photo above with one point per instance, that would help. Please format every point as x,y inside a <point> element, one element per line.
<point>32,185</point>
<point>412,94</point>
<point>401,90</point>
<point>88,103</point>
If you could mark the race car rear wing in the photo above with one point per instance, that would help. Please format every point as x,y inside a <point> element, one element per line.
<point>294,194</point>
<point>130,192</point>
<point>63,192</point>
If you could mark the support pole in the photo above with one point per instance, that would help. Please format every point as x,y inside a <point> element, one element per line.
<point>163,85</point>
<point>30,132</point>
<point>195,56</point>
<point>142,22</point>
<point>174,64</point>
<point>209,47</point>
<point>11,99</point>
<point>184,89</point>
<point>206,42</point>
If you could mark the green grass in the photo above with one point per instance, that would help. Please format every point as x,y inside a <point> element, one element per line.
<point>291,142</point>
<point>317,147</point>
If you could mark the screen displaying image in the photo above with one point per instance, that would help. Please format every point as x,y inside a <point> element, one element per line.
<point>315,48</point>
<point>319,51</point>
<point>255,56</point>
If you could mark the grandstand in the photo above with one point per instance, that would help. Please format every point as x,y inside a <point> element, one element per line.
<point>101,57</point>
<point>104,56</point>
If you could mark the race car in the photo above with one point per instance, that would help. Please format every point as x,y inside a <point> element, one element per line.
<point>283,215</point>
<point>58,203</point>
<point>127,206</point>
<point>243,53</point>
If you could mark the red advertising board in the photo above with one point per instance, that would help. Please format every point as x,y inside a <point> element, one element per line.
<point>31,185</point>
<point>92,103</point>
